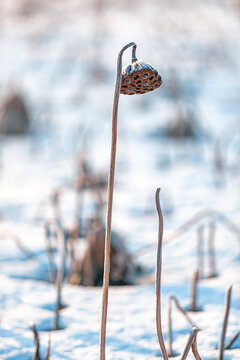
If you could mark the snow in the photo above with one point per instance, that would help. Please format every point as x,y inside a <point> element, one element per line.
<point>62,58</point>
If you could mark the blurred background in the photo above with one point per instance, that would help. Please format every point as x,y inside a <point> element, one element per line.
<point>57,74</point>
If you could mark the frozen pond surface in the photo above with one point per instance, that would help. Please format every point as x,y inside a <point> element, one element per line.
<point>62,57</point>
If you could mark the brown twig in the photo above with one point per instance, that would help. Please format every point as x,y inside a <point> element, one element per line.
<point>200,249</point>
<point>36,355</point>
<point>232,341</point>
<point>158,277</point>
<point>109,203</point>
<point>211,250</point>
<point>191,343</point>
<point>225,321</point>
<point>195,279</point>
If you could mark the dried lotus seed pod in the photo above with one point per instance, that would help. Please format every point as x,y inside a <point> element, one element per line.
<point>139,78</point>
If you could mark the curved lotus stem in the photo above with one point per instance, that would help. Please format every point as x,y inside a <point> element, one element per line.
<point>110,200</point>
<point>158,277</point>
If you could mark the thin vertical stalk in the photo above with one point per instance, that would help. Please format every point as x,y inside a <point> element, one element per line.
<point>158,277</point>
<point>36,355</point>
<point>195,279</point>
<point>60,275</point>
<point>225,321</point>
<point>211,250</point>
<point>200,249</point>
<point>109,203</point>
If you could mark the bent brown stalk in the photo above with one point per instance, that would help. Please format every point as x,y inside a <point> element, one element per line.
<point>183,312</point>
<point>192,342</point>
<point>110,201</point>
<point>225,321</point>
<point>158,277</point>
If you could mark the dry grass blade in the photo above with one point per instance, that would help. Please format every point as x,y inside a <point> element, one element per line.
<point>191,343</point>
<point>109,203</point>
<point>36,355</point>
<point>158,277</point>
<point>232,341</point>
<point>225,321</point>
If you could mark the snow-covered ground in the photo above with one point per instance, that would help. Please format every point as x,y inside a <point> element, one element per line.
<point>62,56</point>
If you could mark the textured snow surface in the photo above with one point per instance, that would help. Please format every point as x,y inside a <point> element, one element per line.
<point>61,55</point>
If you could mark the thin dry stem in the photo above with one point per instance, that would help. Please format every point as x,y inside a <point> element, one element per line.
<point>52,267</point>
<point>225,321</point>
<point>192,342</point>
<point>158,277</point>
<point>200,249</point>
<point>109,203</point>
<point>232,341</point>
<point>214,214</point>
<point>194,290</point>
<point>36,355</point>
<point>60,275</point>
<point>183,312</point>
<point>211,250</point>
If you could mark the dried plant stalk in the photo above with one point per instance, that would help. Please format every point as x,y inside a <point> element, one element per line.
<point>200,249</point>
<point>225,321</point>
<point>109,203</point>
<point>213,214</point>
<point>60,275</point>
<point>183,312</point>
<point>232,341</point>
<point>211,250</point>
<point>158,277</point>
<point>36,355</point>
<point>52,267</point>
<point>195,279</point>
<point>191,343</point>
